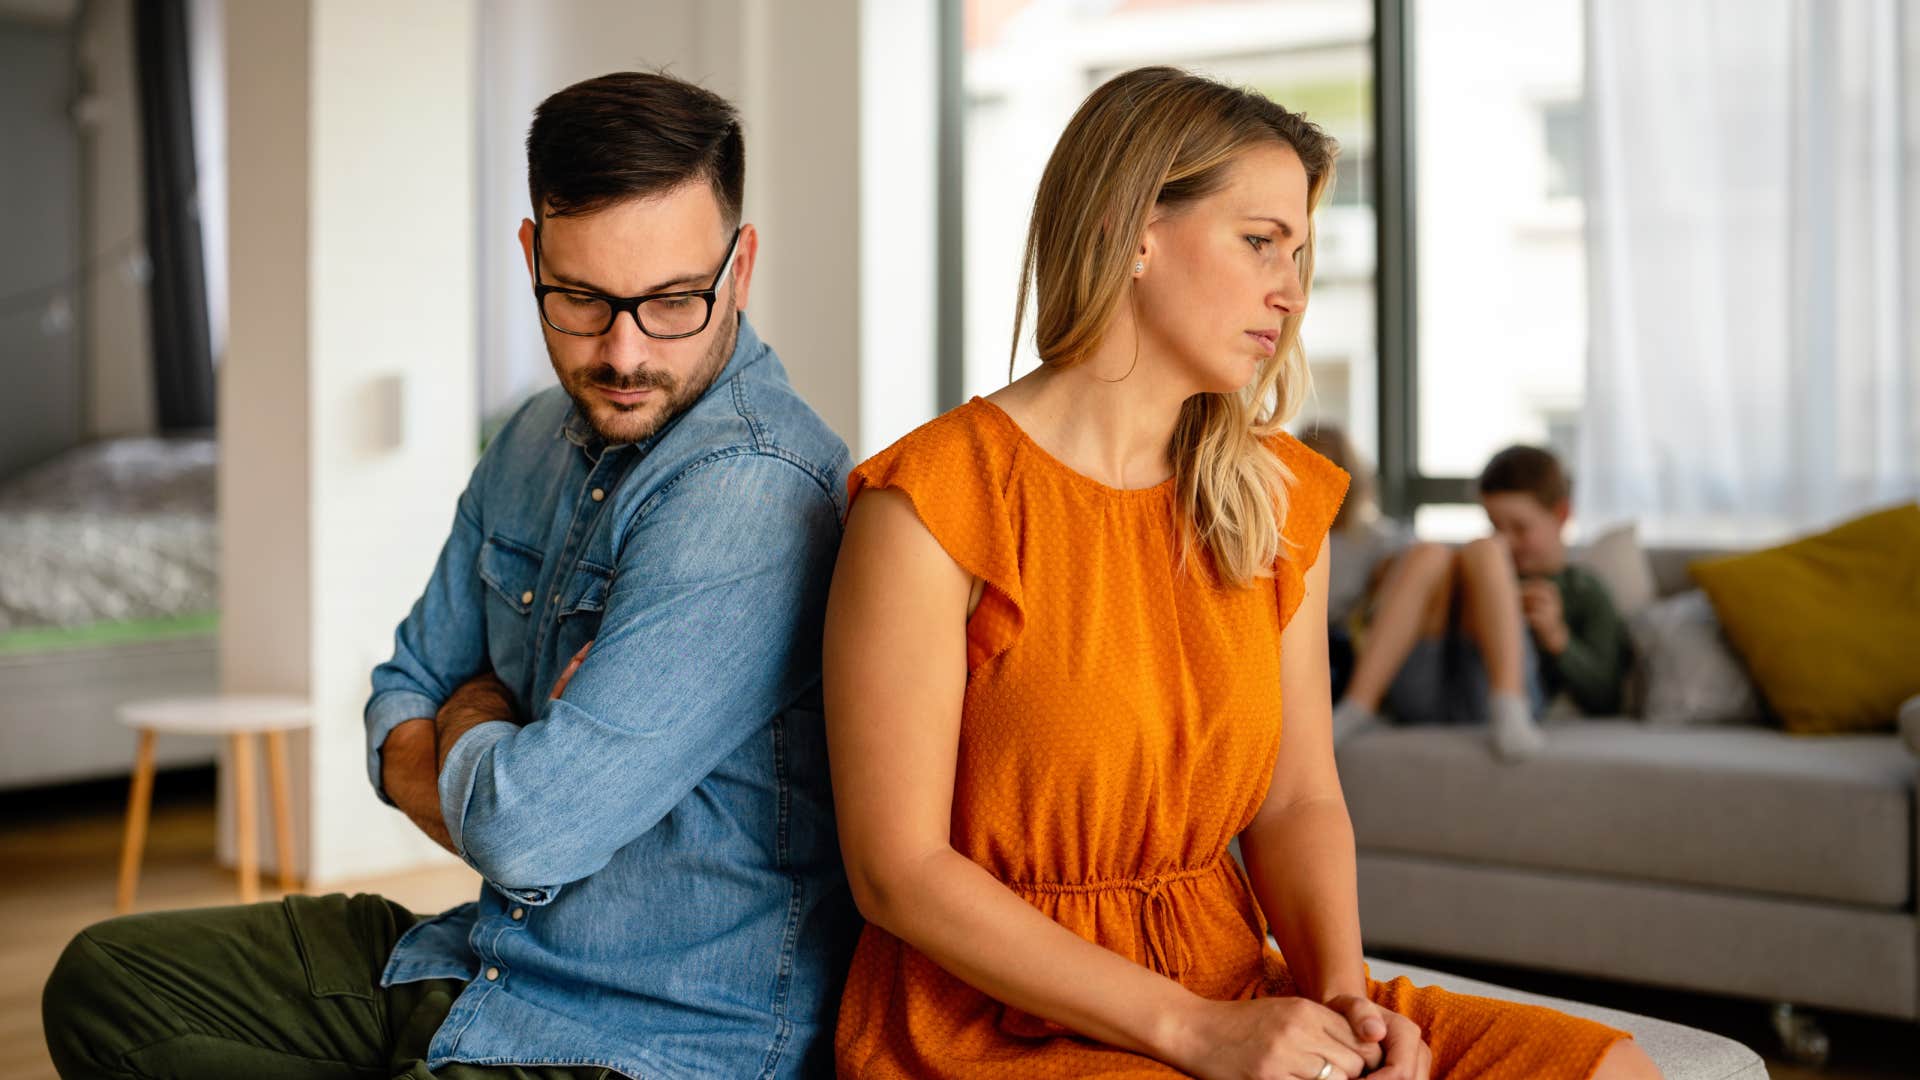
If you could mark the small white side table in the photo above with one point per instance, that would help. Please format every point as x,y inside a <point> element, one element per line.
<point>239,718</point>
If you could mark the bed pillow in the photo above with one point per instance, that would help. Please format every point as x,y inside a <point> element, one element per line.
<point>1688,672</point>
<point>1829,625</point>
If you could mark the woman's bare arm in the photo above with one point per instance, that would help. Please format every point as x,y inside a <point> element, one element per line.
<point>895,673</point>
<point>1299,848</point>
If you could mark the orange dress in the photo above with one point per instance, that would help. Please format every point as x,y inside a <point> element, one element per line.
<point>1120,726</point>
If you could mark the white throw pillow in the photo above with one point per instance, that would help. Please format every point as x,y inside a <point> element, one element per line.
<point>1689,672</point>
<point>1617,559</point>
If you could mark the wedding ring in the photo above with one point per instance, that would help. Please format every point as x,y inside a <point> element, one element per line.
<point>1326,1070</point>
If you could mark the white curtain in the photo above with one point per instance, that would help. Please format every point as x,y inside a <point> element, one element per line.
<point>1753,242</point>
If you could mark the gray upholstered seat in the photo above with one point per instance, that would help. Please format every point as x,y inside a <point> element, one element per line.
<point>1748,809</point>
<point>1683,1053</point>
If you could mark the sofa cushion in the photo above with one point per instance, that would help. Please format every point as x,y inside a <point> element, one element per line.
<point>1751,809</point>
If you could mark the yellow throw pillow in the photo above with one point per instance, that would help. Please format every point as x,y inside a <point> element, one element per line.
<point>1829,625</point>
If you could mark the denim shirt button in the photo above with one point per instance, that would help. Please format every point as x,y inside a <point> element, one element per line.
<point>527,597</point>
<point>598,494</point>
<point>517,914</point>
<point>493,973</point>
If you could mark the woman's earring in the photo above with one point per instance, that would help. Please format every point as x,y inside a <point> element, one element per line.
<point>1139,267</point>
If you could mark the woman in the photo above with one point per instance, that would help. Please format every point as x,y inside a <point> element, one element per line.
<point>1068,626</point>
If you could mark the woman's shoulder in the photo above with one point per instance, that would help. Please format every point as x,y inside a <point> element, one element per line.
<point>1308,466</point>
<point>1314,494</point>
<point>962,448</point>
<point>1315,487</point>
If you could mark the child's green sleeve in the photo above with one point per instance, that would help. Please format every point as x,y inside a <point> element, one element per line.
<point>1594,664</point>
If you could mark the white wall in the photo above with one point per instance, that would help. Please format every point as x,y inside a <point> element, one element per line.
<point>264,474</point>
<point>799,87</point>
<point>352,142</point>
<point>529,49</point>
<point>898,219</point>
<point>803,77</point>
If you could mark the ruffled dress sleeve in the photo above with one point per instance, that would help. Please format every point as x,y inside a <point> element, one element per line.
<point>955,471</point>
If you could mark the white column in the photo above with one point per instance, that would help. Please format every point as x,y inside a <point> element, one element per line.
<point>347,400</point>
<point>899,135</point>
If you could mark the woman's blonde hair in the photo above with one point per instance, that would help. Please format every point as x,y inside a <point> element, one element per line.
<point>1158,136</point>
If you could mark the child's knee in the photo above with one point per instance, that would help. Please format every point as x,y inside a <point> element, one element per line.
<point>1429,556</point>
<point>1488,555</point>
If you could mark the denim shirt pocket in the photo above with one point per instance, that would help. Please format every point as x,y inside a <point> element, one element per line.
<point>511,571</point>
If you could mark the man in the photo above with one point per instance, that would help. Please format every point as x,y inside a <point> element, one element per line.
<point>651,816</point>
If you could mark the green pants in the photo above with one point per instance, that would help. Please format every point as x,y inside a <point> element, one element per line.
<point>266,991</point>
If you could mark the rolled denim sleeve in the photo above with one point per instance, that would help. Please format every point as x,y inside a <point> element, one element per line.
<point>712,627</point>
<point>439,645</point>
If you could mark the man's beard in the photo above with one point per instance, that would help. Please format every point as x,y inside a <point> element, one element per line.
<point>616,423</point>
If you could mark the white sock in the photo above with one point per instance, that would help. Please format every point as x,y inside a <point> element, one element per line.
<point>1349,719</point>
<point>1510,722</point>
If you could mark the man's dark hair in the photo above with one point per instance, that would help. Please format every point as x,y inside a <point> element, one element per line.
<point>632,134</point>
<point>1529,470</point>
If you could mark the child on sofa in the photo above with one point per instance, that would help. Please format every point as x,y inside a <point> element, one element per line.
<point>1495,629</point>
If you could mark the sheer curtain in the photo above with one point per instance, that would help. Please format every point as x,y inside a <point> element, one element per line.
<point>1754,259</point>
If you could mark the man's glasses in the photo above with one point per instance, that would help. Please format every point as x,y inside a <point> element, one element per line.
<point>664,316</point>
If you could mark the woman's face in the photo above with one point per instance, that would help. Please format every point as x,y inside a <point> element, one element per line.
<point>1222,272</point>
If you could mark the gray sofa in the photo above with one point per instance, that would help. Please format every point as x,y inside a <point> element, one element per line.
<point>1733,859</point>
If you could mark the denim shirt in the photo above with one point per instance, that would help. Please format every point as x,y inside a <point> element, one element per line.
<point>663,893</point>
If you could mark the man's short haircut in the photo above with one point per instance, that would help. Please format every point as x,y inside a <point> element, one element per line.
<point>1529,470</point>
<point>629,135</point>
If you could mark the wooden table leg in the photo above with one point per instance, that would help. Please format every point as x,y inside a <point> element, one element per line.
<point>139,802</point>
<point>246,798</point>
<point>282,807</point>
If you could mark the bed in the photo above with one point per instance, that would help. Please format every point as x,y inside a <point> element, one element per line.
<point>109,591</point>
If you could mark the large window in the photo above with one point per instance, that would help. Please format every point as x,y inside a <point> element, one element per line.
<point>1027,65</point>
<point>1497,136</point>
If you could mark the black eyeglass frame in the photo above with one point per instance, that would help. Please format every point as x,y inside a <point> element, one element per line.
<point>617,305</point>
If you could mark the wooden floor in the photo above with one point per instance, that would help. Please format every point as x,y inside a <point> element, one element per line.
<point>58,852</point>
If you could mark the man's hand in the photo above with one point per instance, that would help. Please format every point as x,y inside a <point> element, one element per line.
<point>1406,1056</point>
<point>410,773</point>
<point>1540,603</point>
<point>573,665</point>
<point>478,700</point>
